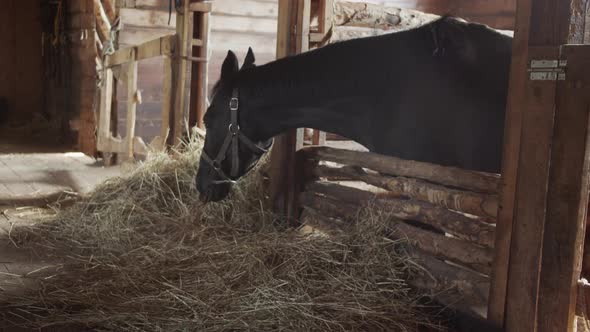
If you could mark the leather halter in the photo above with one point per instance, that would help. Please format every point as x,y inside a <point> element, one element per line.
<point>232,139</point>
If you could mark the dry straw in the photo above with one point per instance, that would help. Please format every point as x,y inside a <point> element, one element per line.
<point>142,254</point>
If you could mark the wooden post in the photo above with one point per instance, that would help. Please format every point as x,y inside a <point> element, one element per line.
<point>199,49</point>
<point>543,26</point>
<point>106,102</point>
<point>294,15</point>
<point>132,101</point>
<point>184,42</point>
<point>167,99</point>
<point>568,196</point>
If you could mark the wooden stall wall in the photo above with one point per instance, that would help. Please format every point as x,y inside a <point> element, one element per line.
<point>20,61</point>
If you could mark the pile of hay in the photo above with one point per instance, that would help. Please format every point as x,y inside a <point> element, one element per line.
<point>143,254</point>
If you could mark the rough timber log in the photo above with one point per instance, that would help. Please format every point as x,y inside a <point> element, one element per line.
<point>454,223</point>
<point>378,16</point>
<point>449,176</point>
<point>458,251</point>
<point>450,284</point>
<point>477,204</point>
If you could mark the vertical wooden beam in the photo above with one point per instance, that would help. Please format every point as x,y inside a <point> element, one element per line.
<point>542,26</point>
<point>183,29</point>
<point>507,190</point>
<point>283,169</point>
<point>326,12</point>
<point>106,102</point>
<point>568,196</point>
<point>199,73</point>
<point>132,99</point>
<point>167,99</point>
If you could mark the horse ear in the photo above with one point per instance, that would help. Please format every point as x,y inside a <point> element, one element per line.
<point>230,66</point>
<point>250,59</point>
<point>452,35</point>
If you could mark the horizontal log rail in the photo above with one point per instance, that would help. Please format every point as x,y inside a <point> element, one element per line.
<point>483,205</point>
<point>448,176</point>
<point>457,224</point>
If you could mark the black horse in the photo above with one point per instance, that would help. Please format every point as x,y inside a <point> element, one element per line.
<point>436,93</point>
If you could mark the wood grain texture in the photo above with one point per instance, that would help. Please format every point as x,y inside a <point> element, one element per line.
<point>567,197</point>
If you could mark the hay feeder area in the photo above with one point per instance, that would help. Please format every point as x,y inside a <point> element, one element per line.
<point>141,253</point>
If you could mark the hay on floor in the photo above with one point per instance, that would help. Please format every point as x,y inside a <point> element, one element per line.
<point>143,254</point>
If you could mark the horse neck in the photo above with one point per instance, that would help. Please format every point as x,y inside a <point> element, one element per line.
<point>274,103</point>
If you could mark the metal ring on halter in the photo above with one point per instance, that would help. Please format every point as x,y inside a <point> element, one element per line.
<point>233,129</point>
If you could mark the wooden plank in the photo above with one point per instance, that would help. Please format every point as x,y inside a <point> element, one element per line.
<point>157,47</point>
<point>106,102</point>
<point>245,8</point>
<point>457,224</point>
<point>548,27</point>
<point>132,101</point>
<point>251,8</point>
<point>153,48</point>
<point>120,56</point>
<point>146,18</point>
<point>450,176</point>
<point>133,35</point>
<point>283,169</point>
<point>531,199</point>
<point>483,205</point>
<point>167,98</point>
<point>511,151</point>
<point>183,35</point>
<point>257,25</point>
<point>203,7</point>
<point>567,197</point>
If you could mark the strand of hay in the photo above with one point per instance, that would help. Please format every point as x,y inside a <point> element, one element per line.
<point>145,255</point>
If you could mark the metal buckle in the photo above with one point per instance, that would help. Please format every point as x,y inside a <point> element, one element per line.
<point>233,104</point>
<point>234,130</point>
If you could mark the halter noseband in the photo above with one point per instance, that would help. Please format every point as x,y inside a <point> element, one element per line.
<point>232,139</point>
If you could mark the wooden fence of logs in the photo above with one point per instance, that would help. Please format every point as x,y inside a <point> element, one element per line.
<point>447,214</point>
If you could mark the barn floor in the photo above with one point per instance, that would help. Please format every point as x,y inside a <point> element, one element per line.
<point>38,171</point>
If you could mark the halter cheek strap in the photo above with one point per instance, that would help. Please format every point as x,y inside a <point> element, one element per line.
<point>232,140</point>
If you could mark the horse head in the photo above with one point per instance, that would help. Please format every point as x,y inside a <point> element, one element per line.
<point>230,151</point>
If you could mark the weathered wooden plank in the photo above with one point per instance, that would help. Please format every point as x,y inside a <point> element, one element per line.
<point>132,101</point>
<point>457,251</point>
<point>567,197</point>
<point>183,35</point>
<point>511,151</point>
<point>483,205</point>
<point>377,16</point>
<point>106,102</point>
<point>146,18</point>
<point>203,7</point>
<point>547,25</point>
<point>476,181</point>
<point>461,226</point>
<point>167,98</point>
<point>153,48</point>
<point>282,171</point>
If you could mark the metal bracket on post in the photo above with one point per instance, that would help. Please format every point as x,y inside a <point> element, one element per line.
<point>547,70</point>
